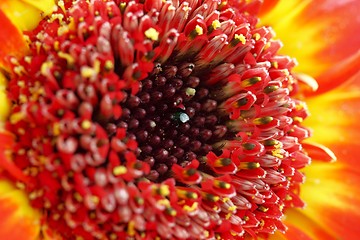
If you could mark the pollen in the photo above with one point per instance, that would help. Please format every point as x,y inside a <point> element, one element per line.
<point>240,38</point>
<point>119,170</point>
<point>199,30</point>
<point>152,34</point>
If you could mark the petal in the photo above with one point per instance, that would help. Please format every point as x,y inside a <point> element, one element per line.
<point>12,41</point>
<point>18,220</point>
<point>335,121</point>
<point>25,14</point>
<point>324,32</point>
<point>331,191</point>
<point>4,102</point>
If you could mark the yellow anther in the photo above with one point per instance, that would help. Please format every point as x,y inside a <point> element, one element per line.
<point>86,124</point>
<point>275,64</point>
<point>62,30</point>
<point>190,91</point>
<point>69,59</point>
<point>249,165</point>
<point>277,153</point>
<point>109,65</point>
<point>262,120</point>
<point>163,190</point>
<point>171,211</point>
<point>225,199</point>
<point>199,30</point>
<point>163,202</point>
<point>250,81</point>
<point>241,38</point>
<point>215,24</point>
<point>273,143</point>
<point>228,215</point>
<point>78,197</point>
<point>16,117</point>
<point>119,170</point>
<point>95,199</point>
<point>232,208</point>
<point>298,119</point>
<point>263,209</point>
<point>288,197</point>
<point>87,72</point>
<point>191,208</point>
<point>222,162</point>
<point>186,194</point>
<point>221,184</point>
<point>246,218</point>
<point>210,197</point>
<point>152,34</point>
<point>56,129</point>
<point>131,228</point>
<point>257,36</point>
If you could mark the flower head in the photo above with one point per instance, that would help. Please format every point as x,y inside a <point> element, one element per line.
<point>156,119</point>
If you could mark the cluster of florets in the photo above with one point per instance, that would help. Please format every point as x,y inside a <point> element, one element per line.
<point>169,119</point>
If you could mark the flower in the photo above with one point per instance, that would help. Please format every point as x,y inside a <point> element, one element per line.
<point>157,119</point>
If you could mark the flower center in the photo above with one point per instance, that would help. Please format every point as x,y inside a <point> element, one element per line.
<point>173,118</point>
<point>157,119</point>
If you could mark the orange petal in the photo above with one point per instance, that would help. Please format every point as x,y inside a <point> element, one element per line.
<point>18,220</point>
<point>335,121</point>
<point>333,198</point>
<point>12,41</point>
<point>322,35</point>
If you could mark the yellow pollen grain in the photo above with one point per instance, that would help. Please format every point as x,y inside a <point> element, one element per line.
<point>262,120</point>
<point>78,197</point>
<point>19,70</point>
<point>215,24</point>
<point>56,216</point>
<point>227,216</point>
<point>56,16</point>
<point>190,91</point>
<point>109,65</point>
<point>119,170</point>
<point>250,81</point>
<point>288,197</point>
<point>257,36</point>
<point>70,60</point>
<point>62,30</point>
<point>86,124</point>
<point>240,38</point>
<point>87,72</point>
<point>56,129</point>
<point>28,59</point>
<point>152,34</point>
<point>21,131</point>
<point>131,228</point>
<point>95,199</point>
<point>298,119</point>
<point>193,207</point>
<point>232,208</point>
<point>199,30</point>
<point>163,190</point>
<point>164,202</point>
<point>16,117</point>
<point>277,153</point>
<point>206,234</point>
<point>221,184</point>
